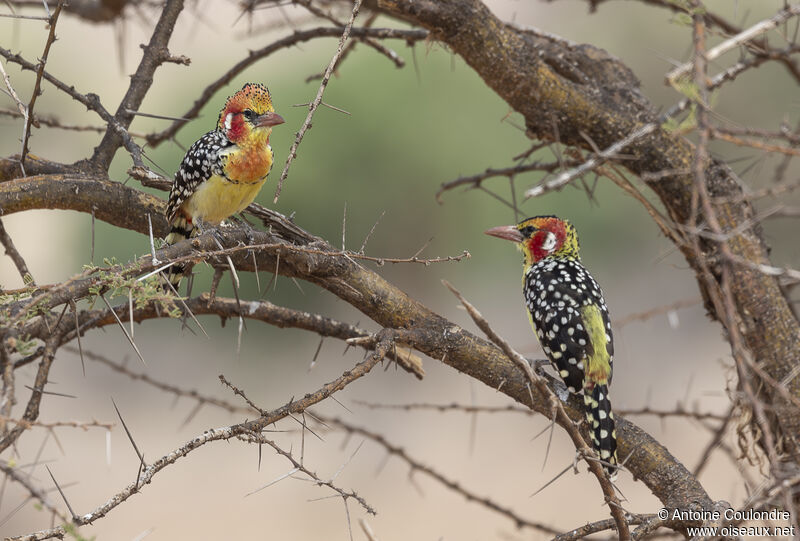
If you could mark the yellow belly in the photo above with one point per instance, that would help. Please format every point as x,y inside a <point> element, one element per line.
<point>217,199</point>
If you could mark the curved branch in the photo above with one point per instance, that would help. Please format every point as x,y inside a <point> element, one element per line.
<point>107,199</point>
<point>264,311</point>
<point>388,306</point>
<point>299,36</point>
<point>591,100</point>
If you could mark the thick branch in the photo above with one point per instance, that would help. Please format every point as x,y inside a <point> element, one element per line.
<point>424,330</point>
<point>590,99</point>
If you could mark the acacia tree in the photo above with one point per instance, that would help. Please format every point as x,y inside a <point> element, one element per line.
<point>579,104</point>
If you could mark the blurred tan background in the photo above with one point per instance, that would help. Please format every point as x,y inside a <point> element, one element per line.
<point>409,130</point>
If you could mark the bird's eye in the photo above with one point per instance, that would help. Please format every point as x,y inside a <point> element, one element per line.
<point>528,231</point>
<point>249,114</point>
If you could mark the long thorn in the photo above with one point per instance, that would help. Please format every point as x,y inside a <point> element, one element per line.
<point>124,330</point>
<point>128,432</point>
<point>71,512</point>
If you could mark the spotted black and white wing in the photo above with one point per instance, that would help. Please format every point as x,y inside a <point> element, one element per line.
<point>555,292</point>
<point>202,160</point>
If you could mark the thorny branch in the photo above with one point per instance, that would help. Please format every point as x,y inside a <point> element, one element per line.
<point>299,36</point>
<point>51,38</point>
<point>417,466</point>
<point>242,430</point>
<point>709,217</point>
<point>560,415</point>
<point>312,107</point>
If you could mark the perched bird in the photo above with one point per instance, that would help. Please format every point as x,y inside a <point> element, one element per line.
<point>224,170</point>
<point>569,315</point>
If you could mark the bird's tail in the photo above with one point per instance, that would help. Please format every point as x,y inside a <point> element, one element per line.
<point>180,229</point>
<point>601,424</point>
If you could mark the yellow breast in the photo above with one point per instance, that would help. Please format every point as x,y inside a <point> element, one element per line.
<point>216,199</point>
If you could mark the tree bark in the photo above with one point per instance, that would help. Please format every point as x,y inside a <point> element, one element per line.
<point>314,260</point>
<point>583,94</point>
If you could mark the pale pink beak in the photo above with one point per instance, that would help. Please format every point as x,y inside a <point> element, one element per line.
<point>507,232</point>
<point>269,119</point>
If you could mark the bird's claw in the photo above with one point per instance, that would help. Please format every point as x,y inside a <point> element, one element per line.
<point>561,390</point>
<point>538,364</point>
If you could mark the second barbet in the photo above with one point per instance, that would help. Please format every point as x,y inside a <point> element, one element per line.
<point>569,315</point>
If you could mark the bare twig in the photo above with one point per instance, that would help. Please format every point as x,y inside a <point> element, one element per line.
<point>317,100</point>
<point>16,257</point>
<point>598,159</point>
<point>737,40</point>
<point>299,36</point>
<point>616,509</point>
<point>37,85</point>
<point>432,473</point>
<point>21,106</point>
<point>385,51</point>
<point>319,482</point>
<point>476,181</point>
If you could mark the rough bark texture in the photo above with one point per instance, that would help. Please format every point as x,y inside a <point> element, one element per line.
<point>576,95</point>
<point>578,91</point>
<point>388,306</point>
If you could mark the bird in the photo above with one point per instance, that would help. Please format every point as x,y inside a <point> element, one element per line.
<point>223,171</point>
<point>569,315</point>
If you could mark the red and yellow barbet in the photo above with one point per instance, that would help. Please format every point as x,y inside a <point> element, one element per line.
<point>224,170</point>
<point>569,315</point>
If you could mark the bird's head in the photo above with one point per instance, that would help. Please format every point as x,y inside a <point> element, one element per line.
<point>541,237</point>
<point>248,115</point>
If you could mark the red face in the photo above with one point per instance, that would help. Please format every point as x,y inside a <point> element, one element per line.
<point>235,125</point>
<point>543,236</point>
<point>538,237</point>
<point>246,111</point>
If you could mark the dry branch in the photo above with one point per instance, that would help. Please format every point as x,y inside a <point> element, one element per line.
<point>596,98</point>
<point>298,36</point>
<point>155,53</point>
<point>51,38</point>
<point>424,330</point>
<point>572,94</point>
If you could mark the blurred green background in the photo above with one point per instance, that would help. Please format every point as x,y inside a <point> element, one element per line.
<point>408,131</point>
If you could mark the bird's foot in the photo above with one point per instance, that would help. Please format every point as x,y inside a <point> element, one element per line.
<point>538,365</point>
<point>201,227</point>
<point>561,390</point>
